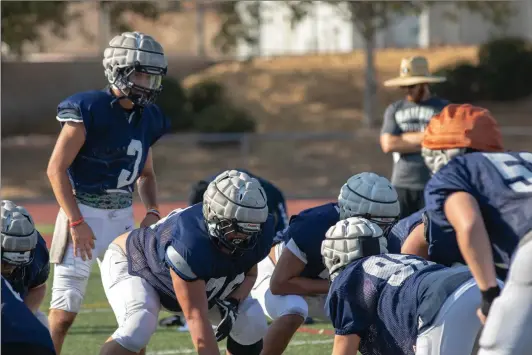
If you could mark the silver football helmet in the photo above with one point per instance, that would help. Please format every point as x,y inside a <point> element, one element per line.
<point>235,207</point>
<point>351,239</point>
<point>135,64</point>
<point>370,196</point>
<point>19,236</point>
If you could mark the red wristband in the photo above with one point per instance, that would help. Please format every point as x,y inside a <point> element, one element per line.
<point>77,223</point>
<point>154,212</point>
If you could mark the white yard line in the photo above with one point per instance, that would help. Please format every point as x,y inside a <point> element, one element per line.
<point>191,351</point>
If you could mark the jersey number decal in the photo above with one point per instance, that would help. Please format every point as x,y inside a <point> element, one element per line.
<point>214,286</point>
<point>127,177</point>
<point>397,270</point>
<point>503,163</point>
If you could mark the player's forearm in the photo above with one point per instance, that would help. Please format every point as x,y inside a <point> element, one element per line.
<point>302,286</point>
<point>243,291</point>
<point>63,193</point>
<point>34,298</point>
<point>405,143</point>
<point>476,250</point>
<point>201,334</point>
<point>147,187</point>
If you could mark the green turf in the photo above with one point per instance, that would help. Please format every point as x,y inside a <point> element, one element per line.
<point>96,323</point>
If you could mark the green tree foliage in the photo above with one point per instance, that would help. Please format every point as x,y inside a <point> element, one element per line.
<point>23,21</point>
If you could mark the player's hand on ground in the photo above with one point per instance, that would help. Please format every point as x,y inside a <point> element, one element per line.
<point>149,220</point>
<point>228,312</point>
<point>82,240</point>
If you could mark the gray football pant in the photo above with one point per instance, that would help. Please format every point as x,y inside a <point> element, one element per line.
<point>508,329</point>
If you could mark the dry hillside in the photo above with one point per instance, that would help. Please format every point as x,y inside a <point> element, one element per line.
<point>316,93</point>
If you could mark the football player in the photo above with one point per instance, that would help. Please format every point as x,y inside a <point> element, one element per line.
<point>25,260</point>
<point>381,303</point>
<point>103,149</point>
<point>292,282</point>
<point>276,207</point>
<point>479,192</point>
<point>22,333</point>
<point>200,261</point>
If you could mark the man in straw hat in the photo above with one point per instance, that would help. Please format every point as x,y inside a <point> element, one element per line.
<point>402,130</point>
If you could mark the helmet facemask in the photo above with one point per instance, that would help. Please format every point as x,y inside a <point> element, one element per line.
<point>140,84</point>
<point>237,237</point>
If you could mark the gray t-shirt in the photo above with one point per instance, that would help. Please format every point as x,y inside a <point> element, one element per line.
<point>404,116</point>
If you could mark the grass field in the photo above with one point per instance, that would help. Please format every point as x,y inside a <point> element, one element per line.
<point>96,322</point>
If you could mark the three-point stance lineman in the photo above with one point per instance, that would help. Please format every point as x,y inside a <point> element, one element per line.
<point>201,261</point>
<point>381,303</point>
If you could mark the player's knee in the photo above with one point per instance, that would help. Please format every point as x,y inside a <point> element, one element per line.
<point>60,321</point>
<point>136,330</point>
<point>279,306</point>
<point>251,325</point>
<point>235,348</point>
<point>68,300</point>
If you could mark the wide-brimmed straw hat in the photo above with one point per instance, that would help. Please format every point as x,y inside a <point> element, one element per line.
<point>414,70</point>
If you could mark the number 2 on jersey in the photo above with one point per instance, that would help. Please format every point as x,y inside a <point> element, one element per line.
<point>394,268</point>
<point>511,169</point>
<point>127,177</point>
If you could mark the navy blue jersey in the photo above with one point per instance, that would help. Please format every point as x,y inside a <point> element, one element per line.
<point>304,235</point>
<point>181,241</point>
<point>117,141</point>
<point>388,299</point>
<point>35,274</point>
<point>402,229</point>
<point>19,325</point>
<point>501,183</point>
<point>274,196</point>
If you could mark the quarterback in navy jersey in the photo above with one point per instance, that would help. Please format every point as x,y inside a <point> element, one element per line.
<point>293,281</point>
<point>381,303</point>
<point>22,333</point>
<point>103,149</point>
<point>25,261</point>
<point>200,261</point>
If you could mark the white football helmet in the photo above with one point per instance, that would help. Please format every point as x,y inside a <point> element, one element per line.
<point>370,196</point>
<point>235,203</point>
<point>351,239</point>
<point>19,236</point>
<point>135,64</point>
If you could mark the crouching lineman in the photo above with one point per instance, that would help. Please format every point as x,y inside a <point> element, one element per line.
<point>276,207</point>
<point>381,303</point>
<point>201,261</point>
<point>486,196</point>
<point>293,281</point>
<point>478,191</point>
<point>25,261</point>
<point>104,148</point>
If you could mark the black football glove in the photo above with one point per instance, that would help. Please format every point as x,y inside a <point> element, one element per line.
<point>488,297</point>
<point>228,312</point>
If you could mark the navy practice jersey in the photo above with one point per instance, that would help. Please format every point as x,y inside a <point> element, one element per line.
<point>117,141</point>
<point>275,199</point>
<point>388,299</point>
<point>181,241</point>
<point>304,235</point>
<point>35,274</point>
<point>19,325</point>
<point>402,229</point>
<point>501,183</point>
